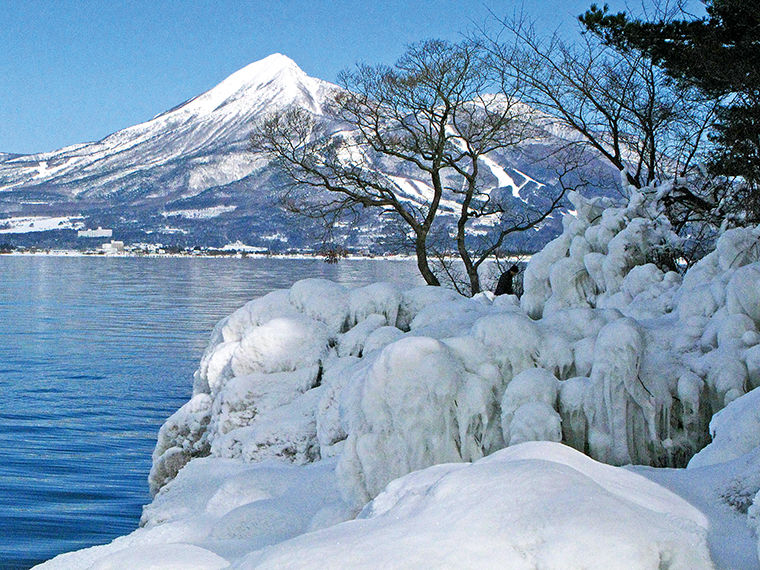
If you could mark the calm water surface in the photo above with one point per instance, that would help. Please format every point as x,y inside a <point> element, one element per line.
<point>95,353</point>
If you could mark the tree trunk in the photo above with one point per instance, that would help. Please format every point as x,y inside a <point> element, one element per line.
<point>420,248</point>
<point>464,216</point>
<point>470,268</point>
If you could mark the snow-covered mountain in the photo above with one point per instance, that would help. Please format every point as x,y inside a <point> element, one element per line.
<point>210,126</point>
<point>130,179</point>
<point>187,177</point>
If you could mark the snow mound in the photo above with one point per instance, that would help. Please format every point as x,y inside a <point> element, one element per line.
<point>216,511</point>
<point>548,506</point>
<point>162,557</point>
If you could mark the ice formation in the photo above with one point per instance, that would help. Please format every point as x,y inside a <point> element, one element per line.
<point>607,352</point>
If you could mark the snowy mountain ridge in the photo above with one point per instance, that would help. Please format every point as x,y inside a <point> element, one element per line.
<point>195,157</point>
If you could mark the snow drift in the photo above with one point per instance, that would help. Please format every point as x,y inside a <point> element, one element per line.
<point>606,352</point>
<point>437,518</point>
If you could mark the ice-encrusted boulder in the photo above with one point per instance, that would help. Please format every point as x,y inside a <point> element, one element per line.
<point>402,416</point>
<point>182,437</point>
<point>259,385</point>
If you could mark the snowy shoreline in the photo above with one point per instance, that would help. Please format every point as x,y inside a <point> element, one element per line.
<point>232,255</point>
<point>386,428</point>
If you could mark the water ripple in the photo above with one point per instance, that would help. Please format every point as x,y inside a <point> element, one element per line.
<point>95,353</point>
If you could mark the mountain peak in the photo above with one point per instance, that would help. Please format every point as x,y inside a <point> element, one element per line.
<point>276,61</point>
<point>276,77</point>
<point>262,71</point>
<point>218,120</point>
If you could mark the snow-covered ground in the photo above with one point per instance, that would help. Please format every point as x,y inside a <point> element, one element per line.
<point>27,224</point>
<point>200,214</point>
<point>386,428</point>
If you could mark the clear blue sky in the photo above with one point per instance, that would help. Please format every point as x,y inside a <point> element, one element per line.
<point>75,71</point>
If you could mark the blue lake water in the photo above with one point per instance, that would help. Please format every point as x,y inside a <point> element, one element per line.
<point>95,353</point>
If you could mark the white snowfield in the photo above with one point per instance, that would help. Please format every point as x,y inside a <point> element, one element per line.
<point>382,428</point>
<point>28,224</point>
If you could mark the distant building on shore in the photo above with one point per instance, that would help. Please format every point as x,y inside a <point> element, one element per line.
<point>99,233</point>
<point>113,247</point>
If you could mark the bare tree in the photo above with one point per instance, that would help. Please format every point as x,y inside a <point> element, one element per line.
<point>619,102</point>
<point>622,107</point>
<point>401,113</point>
<point>428,119</point>
<point>480,205</point>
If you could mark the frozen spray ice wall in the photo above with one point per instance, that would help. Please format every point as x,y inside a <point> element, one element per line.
<point>607,352</point>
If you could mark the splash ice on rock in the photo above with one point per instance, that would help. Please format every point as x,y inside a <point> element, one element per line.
<point>640,361</point>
